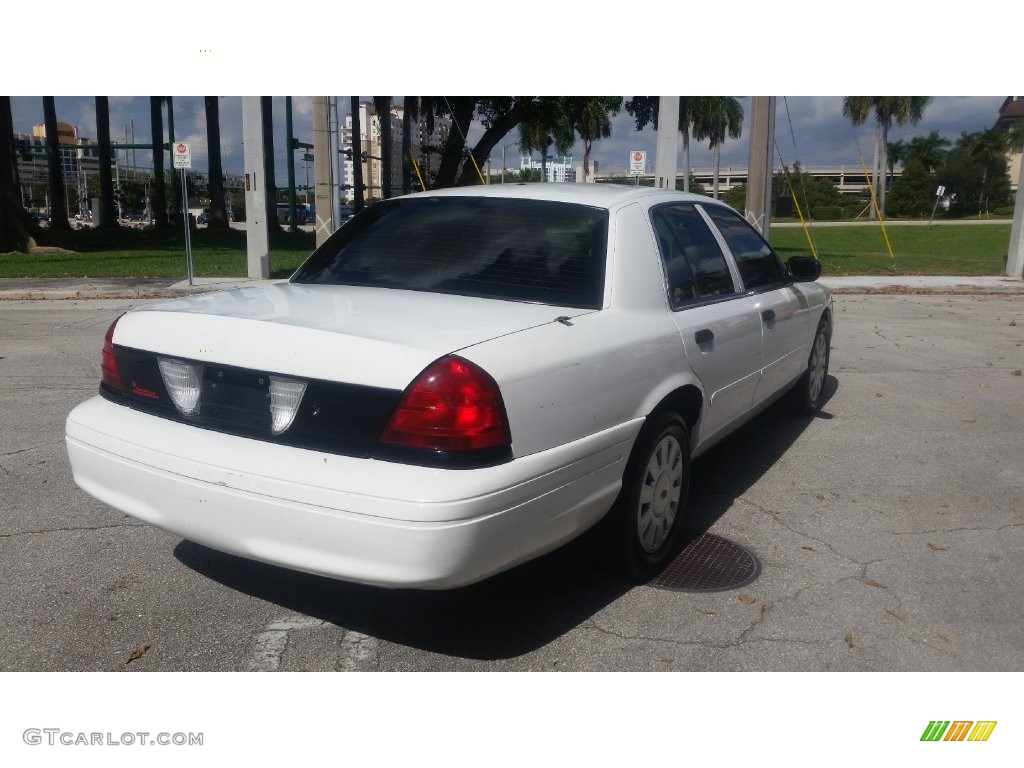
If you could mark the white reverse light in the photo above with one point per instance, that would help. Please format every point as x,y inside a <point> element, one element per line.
<point>183,382</point>
<point>285,396</point>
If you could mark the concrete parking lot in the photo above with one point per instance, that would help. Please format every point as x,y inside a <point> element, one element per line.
<point>889,528</point>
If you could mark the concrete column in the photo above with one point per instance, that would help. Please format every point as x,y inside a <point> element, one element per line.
<point>322,169</point>
<point>759,163</point>
<point>1015,256</point>
<point>667,152</point>
<point>257,241</point>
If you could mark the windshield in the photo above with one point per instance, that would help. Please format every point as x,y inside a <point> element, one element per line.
<point>518,250</point>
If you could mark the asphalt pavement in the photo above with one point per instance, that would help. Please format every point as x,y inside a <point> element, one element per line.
<point>889,530</point>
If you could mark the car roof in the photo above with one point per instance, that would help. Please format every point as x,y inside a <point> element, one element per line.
<point>599,195</point>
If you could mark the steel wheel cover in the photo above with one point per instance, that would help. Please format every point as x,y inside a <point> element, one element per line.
<point>819,356</point>
<point>660,491</point>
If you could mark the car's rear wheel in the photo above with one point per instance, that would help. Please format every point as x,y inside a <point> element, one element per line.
<point>808,394</point>
<point>647,519</point>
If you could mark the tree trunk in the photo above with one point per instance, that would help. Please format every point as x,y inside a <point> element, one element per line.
<point>18,232</point>
<point>451,158</point>
<point>717,161</point>
<point>489,141</point>
<point>159,195</point>
<point>358,201</point>
<point>270,190</point>
<point>883,163</point>
<point>874,172</point>
<point>686,161</point>
<point>108,219</point>
<point>586,159</point>
<point>218,216</point>
<point>58,205</point>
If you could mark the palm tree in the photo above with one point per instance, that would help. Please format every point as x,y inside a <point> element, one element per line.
<point>218,216</point>
<point>930,150</point>
<point>724,116</point>
<point>591,119</point>
<point>887,110</point>
<point>107,218</point>
<point>895,154</point>
<point>546,123</point>
<point>18,232</point>
<point>694,113</point>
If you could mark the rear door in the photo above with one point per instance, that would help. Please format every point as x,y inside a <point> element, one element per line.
<point>782,308</point>
<point>719,326</point>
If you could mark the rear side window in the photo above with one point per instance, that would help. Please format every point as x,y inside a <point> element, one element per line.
<point>519,250</point>
<point>695,268</point>
<point>759,266</point>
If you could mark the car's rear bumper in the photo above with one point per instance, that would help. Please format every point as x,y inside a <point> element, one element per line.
<point>356,519</point>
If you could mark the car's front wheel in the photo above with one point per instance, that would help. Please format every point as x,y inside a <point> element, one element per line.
<point>808,394</point>
<point>647,520</point>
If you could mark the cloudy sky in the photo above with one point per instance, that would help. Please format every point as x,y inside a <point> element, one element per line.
<point>820,133</point>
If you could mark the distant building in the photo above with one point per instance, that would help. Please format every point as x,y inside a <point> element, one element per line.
<point>560,170</point>
<point>1011,113</point>
<point>372,143</point>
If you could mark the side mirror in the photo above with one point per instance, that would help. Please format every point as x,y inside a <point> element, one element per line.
<point>803,269</point>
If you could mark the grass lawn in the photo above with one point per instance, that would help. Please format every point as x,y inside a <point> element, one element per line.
<point>949,249</point>
<point>144,253</point>
<point>855,250</point>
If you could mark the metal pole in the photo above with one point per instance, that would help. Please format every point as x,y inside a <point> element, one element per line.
<point>188,234</point>
<point>503,163</point>
<point>289,141</point>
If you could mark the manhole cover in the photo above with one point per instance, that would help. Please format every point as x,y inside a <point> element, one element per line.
<point>709,564</point>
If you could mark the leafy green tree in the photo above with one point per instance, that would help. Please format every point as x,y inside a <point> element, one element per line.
<point>887,110</point>
<point>813,194</point>
<point>737,197</point>
<point>913,193</point>
<point>975,171</point>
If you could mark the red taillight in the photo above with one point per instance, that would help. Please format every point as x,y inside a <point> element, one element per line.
<point>452,406</point>
<point>111,376</point>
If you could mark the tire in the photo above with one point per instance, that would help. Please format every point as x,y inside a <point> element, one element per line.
<point>646,521</point>
<point>808,394</point>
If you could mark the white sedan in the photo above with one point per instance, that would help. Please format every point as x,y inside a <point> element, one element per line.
<point>455,382</point>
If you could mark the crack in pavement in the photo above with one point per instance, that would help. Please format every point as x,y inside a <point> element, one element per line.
<point>950,530</point>
<point>33,448</point>
<point>74,528</point>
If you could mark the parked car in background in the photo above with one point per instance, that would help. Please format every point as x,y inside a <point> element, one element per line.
<point>455,382</point>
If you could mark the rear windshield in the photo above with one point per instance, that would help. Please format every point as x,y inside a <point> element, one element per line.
<point>519,250</point>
